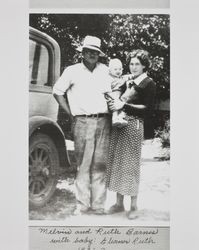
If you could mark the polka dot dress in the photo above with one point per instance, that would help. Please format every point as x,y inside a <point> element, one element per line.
<point>123,164</point>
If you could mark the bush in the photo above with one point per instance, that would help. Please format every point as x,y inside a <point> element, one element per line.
<point>164,135</point>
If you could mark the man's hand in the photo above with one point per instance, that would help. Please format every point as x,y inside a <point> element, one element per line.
<point>115,105</point>
<point>62,102</point>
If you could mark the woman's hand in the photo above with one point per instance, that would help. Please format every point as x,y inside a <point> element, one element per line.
<point>115,105</point>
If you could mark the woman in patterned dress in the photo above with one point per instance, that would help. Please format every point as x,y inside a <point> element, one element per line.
<point>123,165</point>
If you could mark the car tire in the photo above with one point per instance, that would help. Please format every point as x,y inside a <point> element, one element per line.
<point>43,165</point>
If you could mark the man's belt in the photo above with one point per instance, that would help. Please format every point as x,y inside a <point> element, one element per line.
<point>93,115</point>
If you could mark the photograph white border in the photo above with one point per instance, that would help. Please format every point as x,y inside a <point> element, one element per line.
<point>99,4</point>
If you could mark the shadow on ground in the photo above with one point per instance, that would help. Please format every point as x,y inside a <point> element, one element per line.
<point>153,199</point>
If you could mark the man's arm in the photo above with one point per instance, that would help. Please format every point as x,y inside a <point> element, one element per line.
<point>60,88</point>
<point>62,102</point>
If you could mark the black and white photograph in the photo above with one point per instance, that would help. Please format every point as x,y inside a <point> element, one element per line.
<point>99,118</point>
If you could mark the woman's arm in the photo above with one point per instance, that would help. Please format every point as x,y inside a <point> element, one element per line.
<point>134,106</point>
<point>148,95</point>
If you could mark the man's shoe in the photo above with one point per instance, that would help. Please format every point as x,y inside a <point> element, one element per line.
<point>116,209</point>
<point>99,211</point>
<point>81,210</point>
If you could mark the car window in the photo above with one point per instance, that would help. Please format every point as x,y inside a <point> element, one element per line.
<point>38,64</point>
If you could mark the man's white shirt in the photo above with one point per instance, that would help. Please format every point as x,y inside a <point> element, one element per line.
<point>85,89</point>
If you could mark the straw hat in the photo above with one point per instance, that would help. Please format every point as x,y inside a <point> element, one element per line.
<point>93,43</point>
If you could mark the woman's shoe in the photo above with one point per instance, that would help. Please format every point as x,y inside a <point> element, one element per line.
<point>132,214</point>
<point>116,209</point>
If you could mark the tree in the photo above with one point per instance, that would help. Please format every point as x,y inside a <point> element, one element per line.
<point>149,32</point>
<point>69,30</point>
<point>120,33</point>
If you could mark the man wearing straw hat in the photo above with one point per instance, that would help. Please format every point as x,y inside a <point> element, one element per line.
<point>85,84</point>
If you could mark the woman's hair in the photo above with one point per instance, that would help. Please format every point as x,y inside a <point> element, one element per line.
<point>142,55</point>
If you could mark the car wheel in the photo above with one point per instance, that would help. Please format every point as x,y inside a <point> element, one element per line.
<point>43,163</point>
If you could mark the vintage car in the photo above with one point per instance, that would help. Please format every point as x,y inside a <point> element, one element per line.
<point>47,149</point>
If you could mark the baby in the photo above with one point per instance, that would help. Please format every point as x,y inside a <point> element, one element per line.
<point>117,80</point>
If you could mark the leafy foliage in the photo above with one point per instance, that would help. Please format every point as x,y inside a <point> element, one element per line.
<point>164,135</point>
<point>120,33</point>
<point>69,30</point>
<point>149,32</point>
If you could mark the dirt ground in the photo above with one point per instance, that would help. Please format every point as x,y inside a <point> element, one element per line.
<point>153,199</point>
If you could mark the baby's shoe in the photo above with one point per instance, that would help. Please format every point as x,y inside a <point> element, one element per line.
<point>120,123</point>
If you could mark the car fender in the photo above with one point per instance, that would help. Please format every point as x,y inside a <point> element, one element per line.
<point>53,130</point>
<point>36,121</point>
